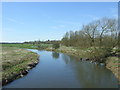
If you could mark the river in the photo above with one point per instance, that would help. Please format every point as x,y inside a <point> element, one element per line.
<point>58,70</point>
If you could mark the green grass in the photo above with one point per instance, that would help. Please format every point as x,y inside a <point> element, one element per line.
<point>28,46</point>
<point>44,46</point>
<point>113,63</point>
<point>15,59</point>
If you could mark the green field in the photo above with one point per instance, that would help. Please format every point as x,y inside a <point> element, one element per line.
<point>28,46</point>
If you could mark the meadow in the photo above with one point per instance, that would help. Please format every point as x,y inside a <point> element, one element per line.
<point>15,62</point>
<point>27,46</point>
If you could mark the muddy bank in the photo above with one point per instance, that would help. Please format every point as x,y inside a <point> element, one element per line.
<point>22,73</point>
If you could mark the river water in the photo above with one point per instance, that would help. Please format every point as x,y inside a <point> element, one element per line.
<point>58,70</point>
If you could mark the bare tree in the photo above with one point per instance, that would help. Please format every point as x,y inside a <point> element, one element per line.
<point>106,26</point>
<point>91,31</point>
<point>101,33</point>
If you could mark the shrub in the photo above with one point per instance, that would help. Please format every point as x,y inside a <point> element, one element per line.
<point>56,45</point>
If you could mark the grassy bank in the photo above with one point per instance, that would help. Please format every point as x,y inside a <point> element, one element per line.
<point>94,54</point>
<point>16,62</point>
<point>113,63</point>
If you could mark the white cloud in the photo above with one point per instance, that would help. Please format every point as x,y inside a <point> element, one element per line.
<point>66,22</point>
<point>8,29</point>
<point>14,20</point>
<point>57,27</point>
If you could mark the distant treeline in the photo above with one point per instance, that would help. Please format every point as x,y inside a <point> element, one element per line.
<point>43,42</point>
<point>35,42</point>
<point>10,43</point>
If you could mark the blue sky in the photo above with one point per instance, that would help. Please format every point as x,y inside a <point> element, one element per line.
<point>27,21</point>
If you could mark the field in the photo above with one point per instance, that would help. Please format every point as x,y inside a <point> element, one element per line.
<point>28,46</point>
<point>15,61</point>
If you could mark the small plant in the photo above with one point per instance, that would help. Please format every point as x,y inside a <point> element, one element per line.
<point>56,45</point>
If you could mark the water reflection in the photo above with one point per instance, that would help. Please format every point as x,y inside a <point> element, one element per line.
<point>55,55</point>
<point>89,74</point>
<point>69,58</point>
<point>66,58</point>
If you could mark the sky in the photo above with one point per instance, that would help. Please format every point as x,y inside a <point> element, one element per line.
<point>29,21</point>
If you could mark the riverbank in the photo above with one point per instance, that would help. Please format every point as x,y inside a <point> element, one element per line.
<point>111,62</point>
<point>82,54</point>
<point>92,54</point>
<point>16,63</point>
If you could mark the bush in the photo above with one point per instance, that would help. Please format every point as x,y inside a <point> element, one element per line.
<point>99,54</point>
<point>56,45</point>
